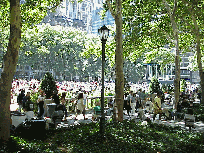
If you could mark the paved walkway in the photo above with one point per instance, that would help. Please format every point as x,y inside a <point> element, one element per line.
<point>199,126</point>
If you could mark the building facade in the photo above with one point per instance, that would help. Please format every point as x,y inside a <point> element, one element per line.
<point>84,16</point>
<point>168,74</point>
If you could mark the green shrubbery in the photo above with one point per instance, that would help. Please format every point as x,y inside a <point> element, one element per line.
<point>154,86</point>
<point>34,98</point>
<point>183,85</point>
<point>167,87</point>
<point>199,112</point>
<point>48,85</point>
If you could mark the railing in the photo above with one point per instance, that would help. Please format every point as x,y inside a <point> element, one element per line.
<point>90,101</point>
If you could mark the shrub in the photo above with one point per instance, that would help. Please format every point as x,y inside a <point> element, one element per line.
<point>34,98</point>
<point>154,86</point>
<point>48,85</point>
<point>183,85</point>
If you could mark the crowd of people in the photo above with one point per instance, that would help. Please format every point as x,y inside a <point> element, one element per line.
<point>155,104</point>
<point>80,90</point>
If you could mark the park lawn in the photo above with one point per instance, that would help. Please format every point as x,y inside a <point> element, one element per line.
<point>119,137</point>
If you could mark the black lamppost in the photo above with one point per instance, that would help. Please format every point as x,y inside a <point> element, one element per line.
<point>103,32</point>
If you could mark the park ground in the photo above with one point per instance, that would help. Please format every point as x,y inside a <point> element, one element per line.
<point>130,136</point>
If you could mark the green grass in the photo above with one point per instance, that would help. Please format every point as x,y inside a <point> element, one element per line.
<point>118,137</point>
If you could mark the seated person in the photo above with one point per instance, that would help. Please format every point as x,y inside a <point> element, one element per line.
<point>55,97</point>
<point>149,106</point>
<point>141,113</point>
<point>97,111</point>
<point>110,109</point>
<point>189,118</point>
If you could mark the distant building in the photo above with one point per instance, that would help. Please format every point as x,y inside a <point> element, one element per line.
<point>84,15</point>
<point>97,22</point>
<point>168,75</point>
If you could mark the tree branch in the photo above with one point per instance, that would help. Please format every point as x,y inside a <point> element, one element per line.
<point>191,11</point>
<point>167,7</point>
<point>54,7</point>
<point>110,8</point>
<point>175,7</point>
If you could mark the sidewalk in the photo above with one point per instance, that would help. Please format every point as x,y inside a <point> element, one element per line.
<point>199,126</point>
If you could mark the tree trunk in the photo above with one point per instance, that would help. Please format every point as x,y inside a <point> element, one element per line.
<point>177,65</point>
<point>200,67</point>
<point>196,33</point>
<point>177,59</point>
<point>119,83</point>
<point>9,66</point>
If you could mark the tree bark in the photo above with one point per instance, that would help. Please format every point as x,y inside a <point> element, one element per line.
<point>196,33</point>
<point>9,66</point>
<point>119,84</point>
<point>200,67</point>
<point>177,58</point>
<point>119,81</point>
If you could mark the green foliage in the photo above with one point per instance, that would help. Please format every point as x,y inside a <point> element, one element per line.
<point>34,98</point>
<point>109,94</point>
<point>183,85</point>
<point>133,71</point>
<point>48,85</point>
<point>119,137</point>
<point>32,12</point>
<point>17,144</point>
<point>167,87</point>
<point>147,29</point>
<point>64,50</point>
<point>154,86</point>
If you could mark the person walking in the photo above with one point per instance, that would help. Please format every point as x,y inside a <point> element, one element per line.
<point>63,102</point>
<point>143,98</point>
<point>84,103</point>
<point>133,104</point>
<point>85,95</point>
<point>20,99</point>
<point>41,99</point>
<point>27,103</point>
<point>129,101</point>
<point>80,105</point>
<point>157,106</point>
